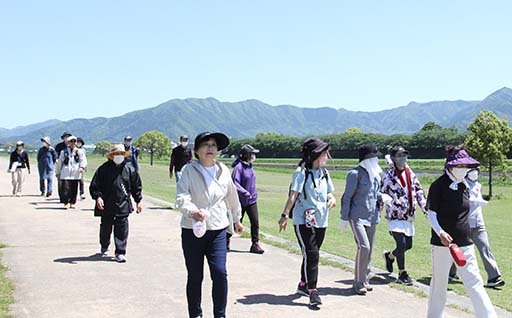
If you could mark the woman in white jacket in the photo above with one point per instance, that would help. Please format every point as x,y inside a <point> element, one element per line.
<point>209,202</point>
<point>70,168</point>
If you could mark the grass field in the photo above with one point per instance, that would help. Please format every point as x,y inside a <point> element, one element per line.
<point>273,188</point>
<point>6,290</point>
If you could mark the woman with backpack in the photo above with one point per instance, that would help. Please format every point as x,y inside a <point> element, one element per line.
<point>310,198</point>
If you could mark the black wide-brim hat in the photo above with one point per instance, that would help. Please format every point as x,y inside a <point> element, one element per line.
<point>368,151</point>
<point>221,139</point>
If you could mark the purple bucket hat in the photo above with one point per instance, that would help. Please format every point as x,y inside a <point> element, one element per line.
<point>460,157</point>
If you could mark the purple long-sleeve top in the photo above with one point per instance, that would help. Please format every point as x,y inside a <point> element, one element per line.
<point>245,181</point>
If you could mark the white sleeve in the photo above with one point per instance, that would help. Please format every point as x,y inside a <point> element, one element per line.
<point>432,218</point>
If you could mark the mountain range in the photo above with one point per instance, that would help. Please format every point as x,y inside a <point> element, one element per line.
<point>247,118</point>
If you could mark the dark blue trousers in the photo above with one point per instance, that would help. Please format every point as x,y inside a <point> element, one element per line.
<point>403,244</point>
<point>212,246</point>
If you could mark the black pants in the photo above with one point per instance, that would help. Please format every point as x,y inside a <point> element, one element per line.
<point>310,241</point>
<point>403,244</point>
<point>252,212</point>
<point>212,246</point>
<point>69,191</point>
<point>82,192</point>
<point>120,225</point>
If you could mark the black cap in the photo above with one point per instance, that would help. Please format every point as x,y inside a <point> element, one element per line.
<point>183,137</point>
<point>128,138</point>
<point>65,135</point>
<point>368,151</point>
<point>398,149</point>
<point>221,139</point>
<point>247,149</point>
<point>312,148</point>
<point>80,140</point>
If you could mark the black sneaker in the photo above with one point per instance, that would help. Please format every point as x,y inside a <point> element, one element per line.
<point>495,282</point>
<point>389,262</point>
<point>302,289</point>
<point>256,249</point>
<point>314,298</point>
<point>404,278</point>
<point>453,277</point>
<point>228,243</point>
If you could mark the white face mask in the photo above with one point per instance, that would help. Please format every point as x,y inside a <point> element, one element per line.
<point>184,144</point>
<point>473,175</point>
<point>459,173</point>
<point>118,159</point>
<point>128,143</point>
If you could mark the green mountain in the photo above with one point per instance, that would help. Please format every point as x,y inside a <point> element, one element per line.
<point>247,118</point>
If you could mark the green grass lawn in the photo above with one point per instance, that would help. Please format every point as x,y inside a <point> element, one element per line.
<point>6,290</point>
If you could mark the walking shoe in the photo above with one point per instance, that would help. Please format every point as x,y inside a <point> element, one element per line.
<point>256,248</point>
<point>454,277</point>
<point>49,194</point>
<point>120,258</point>
<point>18,194</point>
<point>302,289</point>
<point>82,196</point>
<point>42,194</point>
<point>104,252</point>
<point>368,286</point>
<point>404,278</point>
<point>314,298</point>
<point>228,243</point>
<point>389,262</point>
<point>497,281</point>
<point>359,288</point>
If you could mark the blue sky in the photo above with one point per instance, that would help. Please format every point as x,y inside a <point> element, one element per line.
<point>69,59</point>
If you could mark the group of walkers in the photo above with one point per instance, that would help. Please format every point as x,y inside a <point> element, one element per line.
<point>213,202</point>
<point>212,212</point>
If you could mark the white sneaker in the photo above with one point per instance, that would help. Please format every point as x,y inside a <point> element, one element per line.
<point>120,258</point>
<point>104,252</point>
<point>82,197</point>
<point>18,194</point>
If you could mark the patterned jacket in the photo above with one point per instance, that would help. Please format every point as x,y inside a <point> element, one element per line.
<point>399,208</point>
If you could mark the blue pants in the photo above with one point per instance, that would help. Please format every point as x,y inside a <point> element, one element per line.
<point>212,246</point>
<point>403,244</point>
<point>48,187</point>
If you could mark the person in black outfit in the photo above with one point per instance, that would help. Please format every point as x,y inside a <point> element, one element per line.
<point>111,187</point>
<point>17,165</point>
<point>58,149</point>
<point>181,155</point>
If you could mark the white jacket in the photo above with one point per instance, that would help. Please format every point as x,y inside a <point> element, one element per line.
<point>221,201</point>
<point>71,171</point>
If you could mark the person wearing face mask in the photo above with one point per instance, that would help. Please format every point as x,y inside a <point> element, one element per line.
<point>70,168</point>
<point>180,156</point>
<point>80,145</point>
<point>360,208</point>
<point>403,187</point>
<point>478,231</point>
<point>134,153</point>
<point>448,206</point>
<point>17,164</point>
<point>46,158</point>
<point>245,181</point>
<point>114,183</point>
<point>309,200</point>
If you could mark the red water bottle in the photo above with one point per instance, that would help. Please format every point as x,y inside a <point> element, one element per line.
<point>457,255</point>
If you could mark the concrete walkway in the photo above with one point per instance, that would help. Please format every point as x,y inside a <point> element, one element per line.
<point>51,259</point>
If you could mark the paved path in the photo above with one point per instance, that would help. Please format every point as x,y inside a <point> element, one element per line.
<point>51,259</point>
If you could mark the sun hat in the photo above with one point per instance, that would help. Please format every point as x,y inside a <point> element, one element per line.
<point>46,139</point>
<point>128,138</point>
<point>221,140</point>
<point>312,148</point>
<point>368,151</point>
<point>20,143</point>
<point>65,135</point>
<point>459,156</point>
<point>117,149</point>
<point>71,138</point>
